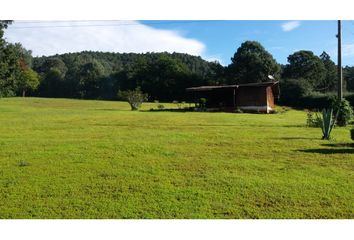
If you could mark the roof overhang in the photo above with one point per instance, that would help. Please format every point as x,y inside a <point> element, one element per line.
<point>210,88</point>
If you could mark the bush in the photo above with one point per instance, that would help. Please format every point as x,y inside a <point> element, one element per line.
<point>134,97</point>
<point>23,163</point>
<point>292,90</point>
<point>350,98</point>
<point>202,103</point>
<point>352,133</point>
<point>313,119</point>
<point>314,101</point>
<point>238,110</point>
<point>281,109</point>
<point>343,110</point>
<point>328,121</point>
<point>160,106</point>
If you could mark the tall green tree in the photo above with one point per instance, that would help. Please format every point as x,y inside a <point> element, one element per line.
<point>8,63</point>
<point>10,70</point>
<point>305,65</point>
<point>28,80</point>
<point>90,76</point>
<point>3,25</point>
<point>165,78</point>
<point>330,79</point>
<point>52,84</point>
<point>252,63</point>
<point>51,63</point>
<point>16,75</point>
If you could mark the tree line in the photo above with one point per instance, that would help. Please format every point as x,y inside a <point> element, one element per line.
<point>16,73</point>
<point>98,75</point>
<point>163,76</point>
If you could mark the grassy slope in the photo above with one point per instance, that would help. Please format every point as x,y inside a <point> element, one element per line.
<point>97,159</point>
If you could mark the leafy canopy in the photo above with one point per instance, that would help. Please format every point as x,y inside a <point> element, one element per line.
<point>28,80</point>
<point>252,63</point>
<point>330,80</point>
<point>306,65</point>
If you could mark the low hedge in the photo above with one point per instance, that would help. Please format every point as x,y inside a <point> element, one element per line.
<point>315,101</point>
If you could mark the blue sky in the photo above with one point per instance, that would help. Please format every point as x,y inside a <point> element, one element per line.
<point>280,38</point>
<point>213,40</point>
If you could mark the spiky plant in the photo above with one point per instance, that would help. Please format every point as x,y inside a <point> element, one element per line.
<point>328,122</point>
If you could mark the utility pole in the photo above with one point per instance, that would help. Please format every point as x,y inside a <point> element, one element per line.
<point>340,73</point>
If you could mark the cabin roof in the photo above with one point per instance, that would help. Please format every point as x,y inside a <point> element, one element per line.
<point>208,88</point>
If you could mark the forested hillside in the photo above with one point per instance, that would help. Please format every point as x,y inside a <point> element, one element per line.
<point>99,75</point>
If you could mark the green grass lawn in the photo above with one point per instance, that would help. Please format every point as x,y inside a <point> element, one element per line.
<point>64,158</point>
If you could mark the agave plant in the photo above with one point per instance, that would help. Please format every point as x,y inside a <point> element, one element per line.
<point>328,122</point>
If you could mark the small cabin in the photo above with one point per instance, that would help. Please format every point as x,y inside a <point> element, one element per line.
<point>253,97</point>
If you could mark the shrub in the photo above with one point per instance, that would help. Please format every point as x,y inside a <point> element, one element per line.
<point>316,101</point>
<point>160,106</point>
<point>180,105</point>
<point>238,110</point>
<point>293,89</point>
<point>281,109</point>
<point>23,163</point>
<point>328,121</point>
<point>344,111</point>
<point>202,103</point>
<point>350,98</point>
<point>313,119</point>
<point>134,97</point>
<point>313,101</point>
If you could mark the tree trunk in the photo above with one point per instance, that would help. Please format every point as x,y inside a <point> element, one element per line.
<point>23,93</point>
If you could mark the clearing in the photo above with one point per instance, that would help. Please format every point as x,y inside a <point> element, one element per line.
<point>63,158</point>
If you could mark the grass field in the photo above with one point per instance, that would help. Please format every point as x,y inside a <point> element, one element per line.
<point>97,159</point>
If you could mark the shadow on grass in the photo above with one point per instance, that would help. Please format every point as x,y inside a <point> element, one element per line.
<point>175,126</point>
<point>298,138</point>
<point>168,110</point>
<point>183,110</point>
<point>347,145</point>
<point>293,125</point>
<point>329,150</point>
<point>106,109</point>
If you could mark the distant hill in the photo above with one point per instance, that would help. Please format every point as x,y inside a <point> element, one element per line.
<point>164,76</point>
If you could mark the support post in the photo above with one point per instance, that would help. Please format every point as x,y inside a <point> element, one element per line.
<point>234,100</point>
<point>340,72</point>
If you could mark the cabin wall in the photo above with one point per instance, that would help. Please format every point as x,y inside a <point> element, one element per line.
<point>251,96</point>
<point>270,97</point>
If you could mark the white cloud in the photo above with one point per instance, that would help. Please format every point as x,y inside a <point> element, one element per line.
<point>289,26</point>
<point>114,36</point>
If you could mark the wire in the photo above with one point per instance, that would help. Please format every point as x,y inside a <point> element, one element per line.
<point>60,21</point>
<point>107,25</point>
